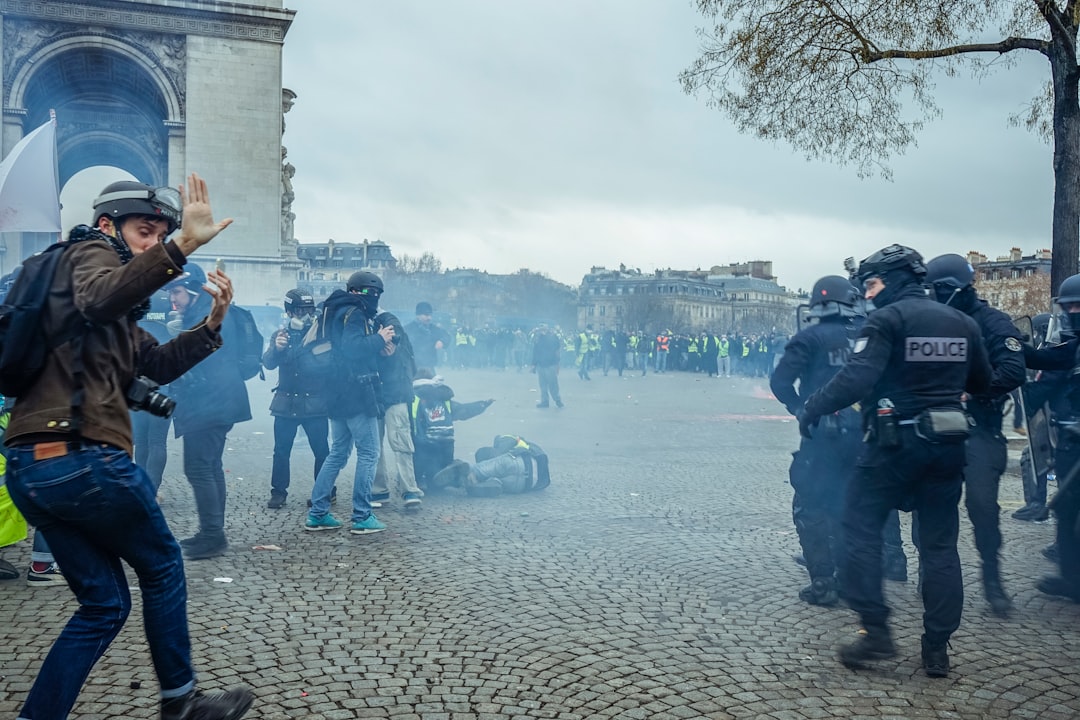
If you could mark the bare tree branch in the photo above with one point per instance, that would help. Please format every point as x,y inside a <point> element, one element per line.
<point>1006,45</point>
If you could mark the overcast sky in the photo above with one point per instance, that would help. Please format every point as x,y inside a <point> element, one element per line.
<point>554,135</point>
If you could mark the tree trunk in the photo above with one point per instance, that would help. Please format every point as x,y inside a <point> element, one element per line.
<point>1066,225</point>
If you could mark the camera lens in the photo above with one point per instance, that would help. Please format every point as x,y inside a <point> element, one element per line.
<point>159,405</point>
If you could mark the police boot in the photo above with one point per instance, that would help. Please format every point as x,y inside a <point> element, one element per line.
<point>1000,603</point>
<point>821,591</point>
<point>876,644</point>
<point>935,658</point>
<point>224,705</point>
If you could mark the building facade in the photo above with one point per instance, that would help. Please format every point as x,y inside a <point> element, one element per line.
<point>740,297</point>
<point>1016,284</point>
<point>158,89</point>
<point>326,267</point>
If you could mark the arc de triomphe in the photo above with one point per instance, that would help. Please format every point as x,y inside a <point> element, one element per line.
<point>161,88</point>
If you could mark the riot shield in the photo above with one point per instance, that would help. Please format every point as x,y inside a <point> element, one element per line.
<point>802,316</point>
<point>1041,436</point>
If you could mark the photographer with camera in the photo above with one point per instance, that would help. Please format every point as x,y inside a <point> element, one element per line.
<point>211,398</point>
<point>70,470</point>
<point>299,398</point>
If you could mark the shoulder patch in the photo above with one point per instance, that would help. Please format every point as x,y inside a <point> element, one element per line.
<point>860,345</point>
<point>1013,344</point>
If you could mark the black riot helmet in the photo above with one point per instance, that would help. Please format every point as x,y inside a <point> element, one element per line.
<point>369,287</point>
<point>835,296</point>
<point>298,302</point>
<point>364,280</point>
<point>1069,293</point>
<point>127,197</point>
<point>952,277</point>
<point>898,267</point>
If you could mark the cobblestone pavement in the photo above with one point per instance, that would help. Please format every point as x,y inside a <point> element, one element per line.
<point>653,579</point>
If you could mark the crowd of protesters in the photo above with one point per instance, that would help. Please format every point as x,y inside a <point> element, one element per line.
<point>713,353</point>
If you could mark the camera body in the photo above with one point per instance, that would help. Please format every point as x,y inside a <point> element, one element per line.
<point>142,394</point>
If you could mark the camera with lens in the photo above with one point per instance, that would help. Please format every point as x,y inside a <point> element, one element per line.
<point>143,394</point>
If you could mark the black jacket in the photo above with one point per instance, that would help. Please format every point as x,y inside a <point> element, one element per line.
<point>213,392</point>
<point>353,388</point>
<point>917,353</point>
<point>1004,347</point>
<point>300,391</point>
<point>396,372</point>
<point>811,358</point>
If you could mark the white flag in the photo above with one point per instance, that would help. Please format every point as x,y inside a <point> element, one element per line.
<point>29,184</point>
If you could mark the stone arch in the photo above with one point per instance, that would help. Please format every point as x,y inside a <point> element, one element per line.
<point>115,104</point>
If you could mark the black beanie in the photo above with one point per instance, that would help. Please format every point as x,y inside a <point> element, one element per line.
<point>423,308</point>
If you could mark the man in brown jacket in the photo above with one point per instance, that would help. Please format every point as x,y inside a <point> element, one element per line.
<point>70,470</point>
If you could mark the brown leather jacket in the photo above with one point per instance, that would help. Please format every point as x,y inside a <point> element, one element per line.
<point>91,282</point>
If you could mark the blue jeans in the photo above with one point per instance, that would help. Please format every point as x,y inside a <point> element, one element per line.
<point>363,432</point>
<point>96,507</point>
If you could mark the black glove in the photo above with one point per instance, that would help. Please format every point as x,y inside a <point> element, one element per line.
<point>807,421</point>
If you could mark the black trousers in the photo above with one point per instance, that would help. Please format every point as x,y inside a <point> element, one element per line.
<point>820,472</point>
<point>1066,505</point>
<point>926,477</point>
<point>317,430</point>
<point>429,458</point>
<point>987,455</point>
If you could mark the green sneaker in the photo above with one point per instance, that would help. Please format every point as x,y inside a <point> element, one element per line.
<point>326,522</point>
<point>366,527</point>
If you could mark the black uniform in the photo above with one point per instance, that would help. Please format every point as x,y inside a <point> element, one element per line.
<point>911,355</point>
<point>986,448</point>
<point>822,466</point>
<point>1065,408</point>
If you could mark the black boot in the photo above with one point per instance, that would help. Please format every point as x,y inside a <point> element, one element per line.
<point>822,591</point>
<point>1000,603</point>
<point>224,705</point>
<point>935,658</point>
<point>210,545</point>
<point>1059,586</point>
<point>876,644</point>
<point>1032,512</point>
<point>195,539</point>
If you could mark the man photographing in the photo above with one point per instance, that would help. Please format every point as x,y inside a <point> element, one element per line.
<point>70,470</point>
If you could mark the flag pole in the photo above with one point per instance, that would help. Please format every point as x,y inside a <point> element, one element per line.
<point>56,170</point>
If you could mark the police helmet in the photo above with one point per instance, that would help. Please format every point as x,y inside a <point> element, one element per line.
<point>1069,292</point>
<point>950,270</point>
<point>364,279</point>
<point>834,295</point>
<point>120,199</point>
<point>888,259</point>
<point>192,280</point>
<point>298,302</point>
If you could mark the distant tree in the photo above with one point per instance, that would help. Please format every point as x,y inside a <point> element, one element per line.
<point>829,77</point>
<point>426,263</point>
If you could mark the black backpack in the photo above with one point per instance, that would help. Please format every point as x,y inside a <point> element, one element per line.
<point>23,345</point>
<point>250,341</point>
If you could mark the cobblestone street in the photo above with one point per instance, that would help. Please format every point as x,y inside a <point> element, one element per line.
<point>652,579</point>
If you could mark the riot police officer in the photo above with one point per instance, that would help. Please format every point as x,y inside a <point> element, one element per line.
<point>1066,415</point>
<point>912,361</point>
<point>952,279</point>
<point>821,467</point>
